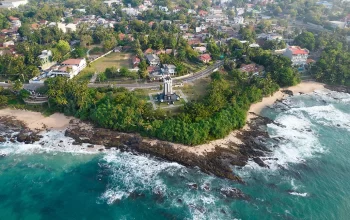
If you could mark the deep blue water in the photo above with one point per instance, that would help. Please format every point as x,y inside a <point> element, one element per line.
<point>310,179</point>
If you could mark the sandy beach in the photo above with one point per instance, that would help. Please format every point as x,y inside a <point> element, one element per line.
<point>35,120</point>
<point>57,121</point>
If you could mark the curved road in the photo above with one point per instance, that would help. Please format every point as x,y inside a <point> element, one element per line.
<point>190,78</point>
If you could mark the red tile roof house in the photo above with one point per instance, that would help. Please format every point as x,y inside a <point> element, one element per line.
<point>297,55</point>
<point>148,51</point>
<point>11,18</point>
<point>205,58</point>
<point>251,68</point>
<point>202,13</point>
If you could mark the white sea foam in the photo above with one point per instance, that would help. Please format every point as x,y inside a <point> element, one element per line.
<point>298,135</point>
<point>299,194</point>
<point>298,142</point>
<point>328,116</point>
<point>132,173</point>
<point>52,141</point>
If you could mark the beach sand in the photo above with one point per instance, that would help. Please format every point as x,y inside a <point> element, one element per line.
<point>35,120</point>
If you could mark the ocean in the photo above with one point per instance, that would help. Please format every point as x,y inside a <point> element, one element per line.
<point>308,175</point>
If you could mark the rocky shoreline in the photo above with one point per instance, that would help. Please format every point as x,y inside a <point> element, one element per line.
<point>218,162</point>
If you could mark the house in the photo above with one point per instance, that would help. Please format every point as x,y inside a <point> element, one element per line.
<point>215,18</point>
<point>202,13</point>
<point>34,26</point>
<point>183,27</point>
<point>111,2</point>
<point>72,67</point>
<point>70,28</point>
<point>191,12</point>
<point>155,72</point>
<point>169,69</point>
<point>142,8</point>
<point>148,51</point>
<point>8,43</point>
<point>238,20</point>
<point>12,3</point>
<point>46,59</point>
<point>152,59</point>
<point>297,55</point>
<point>200,49</point>
<point>131,11</point>
<point>194,41</point>
<point>338,24</point>
<point>118,49</point>
<point>251,68</point>
<point>15,22</point>
<point>205,58</point>
<point>135,61</point>
<point>147,3</point>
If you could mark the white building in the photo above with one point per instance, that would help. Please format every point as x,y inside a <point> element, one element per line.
<point>169,69</point>
<point>200,49</point>
<point>8,43</point>
<point>69,68</point>
<point>215,18</point>
<point>12,3</point>
<point>297,55</point>
<point>131,11</point>
<point>111,2</point>
<point>71,28</point>
<point>46,59</point>
<point>238,20</point>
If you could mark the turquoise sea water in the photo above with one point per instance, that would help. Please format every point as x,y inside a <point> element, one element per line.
<point>310,179</point>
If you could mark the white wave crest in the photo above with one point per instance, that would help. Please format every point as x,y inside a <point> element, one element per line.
<point>299,194</point>
<point>328,116</point>
<point>52,141</point>
<point>135,173</point>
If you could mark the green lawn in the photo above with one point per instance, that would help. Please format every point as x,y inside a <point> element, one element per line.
<point>113,59</point>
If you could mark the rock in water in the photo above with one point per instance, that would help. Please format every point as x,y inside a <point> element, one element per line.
<point>233,193</point>
<point>259,161</point>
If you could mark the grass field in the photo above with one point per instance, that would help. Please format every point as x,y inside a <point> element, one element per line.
<point>113,59</point>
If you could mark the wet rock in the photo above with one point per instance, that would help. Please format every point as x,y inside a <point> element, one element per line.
<point>91,146</point>
<point>179,200</point>
<point>206,187</point>
<point>288,92</point>
<point>233,193</point>
<point>193,186</point>
<point>2,139</point>
<point>261,163</point>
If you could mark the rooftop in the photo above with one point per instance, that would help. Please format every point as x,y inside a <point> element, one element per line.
<point>72,62</point>
<point>296,50</point>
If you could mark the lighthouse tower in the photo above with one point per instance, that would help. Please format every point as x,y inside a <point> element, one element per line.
<point>168,86</point>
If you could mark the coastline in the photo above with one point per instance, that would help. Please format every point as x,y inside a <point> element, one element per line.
<point>37,121</point>
<point>58,121</point>
<point>216,157</point>
<point>254,110</point>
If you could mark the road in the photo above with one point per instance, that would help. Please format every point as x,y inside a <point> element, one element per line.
<point>191,78</point>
